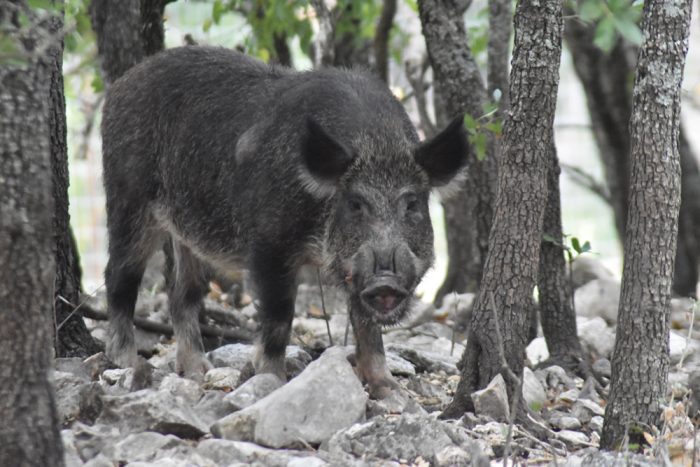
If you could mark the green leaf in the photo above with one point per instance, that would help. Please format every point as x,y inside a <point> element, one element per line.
<point>586,247</point>
<point>42,5</point>
<point>629,30</point>
<point>470,123</point>
<point>495,127</point>
<point>97,84</point>
<point>478,141</point>
<point>605,34</point>
<point>576,245</point>
<point>591,10</point>
<point>217,11</point>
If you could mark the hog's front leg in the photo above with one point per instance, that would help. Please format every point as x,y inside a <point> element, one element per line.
<point>275,284</point>
<point>369,355</point>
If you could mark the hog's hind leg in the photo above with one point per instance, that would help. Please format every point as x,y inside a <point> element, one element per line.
<point>275,284</point>
<point>187,280</point>
<point>132,240</point>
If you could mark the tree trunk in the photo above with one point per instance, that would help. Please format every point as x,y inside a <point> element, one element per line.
<point>605,79</point>
<point>29,431</point>
<point>381,39</point>
<point>127,32</point>
<point>555,296</point>
<point>73,338</point>
<point>461,88</point>
<point>510,272</point>
<point>640,359</point>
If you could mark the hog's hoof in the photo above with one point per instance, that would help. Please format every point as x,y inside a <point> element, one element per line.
<point>193,367</point>
<point>382,388</point>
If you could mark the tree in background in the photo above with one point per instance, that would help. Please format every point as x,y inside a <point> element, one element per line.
<point>29,434</point>
<point>510,271</point>
<point>641,356</point>
<point>72,337</point>
<point>603,43</point>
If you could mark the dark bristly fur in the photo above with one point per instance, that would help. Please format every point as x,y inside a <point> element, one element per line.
<point>237,163</point>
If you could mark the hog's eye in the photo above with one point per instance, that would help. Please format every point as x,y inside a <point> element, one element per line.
<point>355,206</point>
<point>412,204</point>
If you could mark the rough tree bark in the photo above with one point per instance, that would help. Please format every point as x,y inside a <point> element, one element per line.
<point>461,88</point>
<point>127,32</point>
<point>640,359</point>
<point>72,337</point>
<point>557,313</point>
<point>510,271</point>
<point>606,81</point>
<point>381,39</point>
<point>29,431</point>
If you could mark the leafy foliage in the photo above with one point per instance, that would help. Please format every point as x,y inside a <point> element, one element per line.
<point>613,19</point>
<point>480,127</point>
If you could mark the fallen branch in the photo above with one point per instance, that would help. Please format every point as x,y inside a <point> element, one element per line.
<point>237,335</point>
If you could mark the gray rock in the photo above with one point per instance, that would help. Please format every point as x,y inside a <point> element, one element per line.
<point>680,346</point>
<point>396,403</point>
<point>596,424</point>
<point>256,388</point>
<point>399,437</point>
<point>223,378</point>
<point>73,365</point>
<point>142,446</point>
<point>213,406</point>
<point>586,269</point>
<point>555,377</point>
<point>90,441</point>
<point>96,364</point>
<point>492,401</point>
<point>619,459</point>
<point>99,461</point>
<point>585,409</point>
<point>76,398</point>
<point>564,421</point>
<point>537,351</point>
<point>188,389</point>
<point>573,438</point>
<point>426,361</point>
<point>534,394</point>
<point>70,452</point>
<point>232,356</point>
<point>237,356</point>
<point>598,298</point>
<point>148,410</point>
<point>326,397</point>
<point>602,367</point>
<point>119,378</point>
<point>569,396</point>
<point>458,307</point>
<point>226,452</point>
<point>597,339</point>
<point>399,366</point>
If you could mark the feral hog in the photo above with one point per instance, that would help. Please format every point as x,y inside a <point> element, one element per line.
<point>237,163</point>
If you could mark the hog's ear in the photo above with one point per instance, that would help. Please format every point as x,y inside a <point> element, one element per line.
<point>444,156</point>
<point>325,159</point>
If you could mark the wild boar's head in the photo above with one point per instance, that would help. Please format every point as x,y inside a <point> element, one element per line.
<point>378,239</point>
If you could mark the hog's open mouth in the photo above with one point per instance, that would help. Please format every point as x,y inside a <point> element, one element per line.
<point>385,298</point>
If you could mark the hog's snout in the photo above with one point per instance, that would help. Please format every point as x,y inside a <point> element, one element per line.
<point>383,293</point>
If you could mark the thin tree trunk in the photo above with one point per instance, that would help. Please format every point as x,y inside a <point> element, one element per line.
<point>555,296</point>
<point>510,272</point>
<point>73,338</point>
<point>640,359</point>
<point>461,88</point>
<point>605,78</point>
<point>500,30</point>
<point>29,433</point>
<point>381,39</point>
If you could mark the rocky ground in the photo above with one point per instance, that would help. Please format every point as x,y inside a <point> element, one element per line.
<point>150,416</point>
